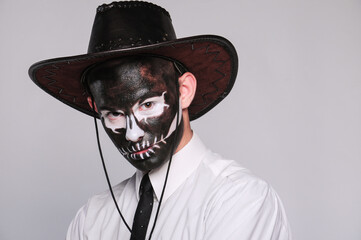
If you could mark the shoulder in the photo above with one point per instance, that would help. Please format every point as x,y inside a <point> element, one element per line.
<point>233,181</point>
<point>231,173</point>
<point>104,199</point>
<point>243,203</point>
<point>97,208</point>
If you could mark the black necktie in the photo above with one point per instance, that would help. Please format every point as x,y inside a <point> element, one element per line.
<point>144,209</point>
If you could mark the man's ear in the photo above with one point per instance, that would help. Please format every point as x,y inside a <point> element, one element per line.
<point>90,102</point>
<point>187,89</point>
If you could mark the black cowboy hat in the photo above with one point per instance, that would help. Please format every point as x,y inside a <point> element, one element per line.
<point>131,28</point>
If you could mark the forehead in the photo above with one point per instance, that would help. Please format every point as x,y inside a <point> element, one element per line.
<point>131,78</point>
<point>151,68</point>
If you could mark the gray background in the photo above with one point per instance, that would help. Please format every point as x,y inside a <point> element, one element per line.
<point>293,117</point>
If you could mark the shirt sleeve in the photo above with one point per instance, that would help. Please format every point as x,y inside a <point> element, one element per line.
<point>76,227</point>
<point>246,210</point>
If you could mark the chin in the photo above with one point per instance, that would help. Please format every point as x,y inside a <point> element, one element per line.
<point>147,165</point>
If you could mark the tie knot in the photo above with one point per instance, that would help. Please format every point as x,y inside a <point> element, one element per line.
<point>145,185</point>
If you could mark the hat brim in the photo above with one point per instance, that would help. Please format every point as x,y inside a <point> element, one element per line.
<point>212,59</point>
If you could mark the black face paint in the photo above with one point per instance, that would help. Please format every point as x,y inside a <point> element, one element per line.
<point>137,101</point>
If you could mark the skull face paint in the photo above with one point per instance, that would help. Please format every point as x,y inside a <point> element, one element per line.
<point>136,98</point>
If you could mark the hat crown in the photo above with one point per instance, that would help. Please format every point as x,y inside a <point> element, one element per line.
<point>122,25</point>
<point>130,28</point>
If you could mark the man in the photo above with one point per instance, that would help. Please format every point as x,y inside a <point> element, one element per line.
<point>146,86</point>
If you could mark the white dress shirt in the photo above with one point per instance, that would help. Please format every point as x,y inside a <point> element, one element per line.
<point>207,197</point>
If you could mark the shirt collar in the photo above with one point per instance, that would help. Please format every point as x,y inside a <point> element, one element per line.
<point>184,163</point>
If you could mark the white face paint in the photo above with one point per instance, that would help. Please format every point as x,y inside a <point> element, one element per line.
<point>174,124</point>
<point>134,132</point>
<point>149,108</point>
<point>114,120</point>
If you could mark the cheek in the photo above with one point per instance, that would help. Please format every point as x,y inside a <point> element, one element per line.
<point>159,124</point>
<point>117,137</point>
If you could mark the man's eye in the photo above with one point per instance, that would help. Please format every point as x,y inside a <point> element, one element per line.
<point>146,106</point>
<point>113,115</point>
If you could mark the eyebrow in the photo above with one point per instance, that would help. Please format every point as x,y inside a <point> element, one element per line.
<point>140,100</point>
<point>147,99</point>
<point>110,109</point>
<point>149,95</point>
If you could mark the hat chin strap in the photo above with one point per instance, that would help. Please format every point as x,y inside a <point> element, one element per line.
<point>166,176</point>
<point>170,161</point>
<point>104,167</point>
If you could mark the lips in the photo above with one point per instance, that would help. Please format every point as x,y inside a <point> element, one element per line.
<point>142,150</point>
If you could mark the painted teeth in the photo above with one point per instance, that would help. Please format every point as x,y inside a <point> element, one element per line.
<point>122,150</point>
<point>131,151</point>
<point>162,140</point>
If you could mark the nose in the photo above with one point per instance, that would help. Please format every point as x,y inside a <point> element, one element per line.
<point>133,133</point>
